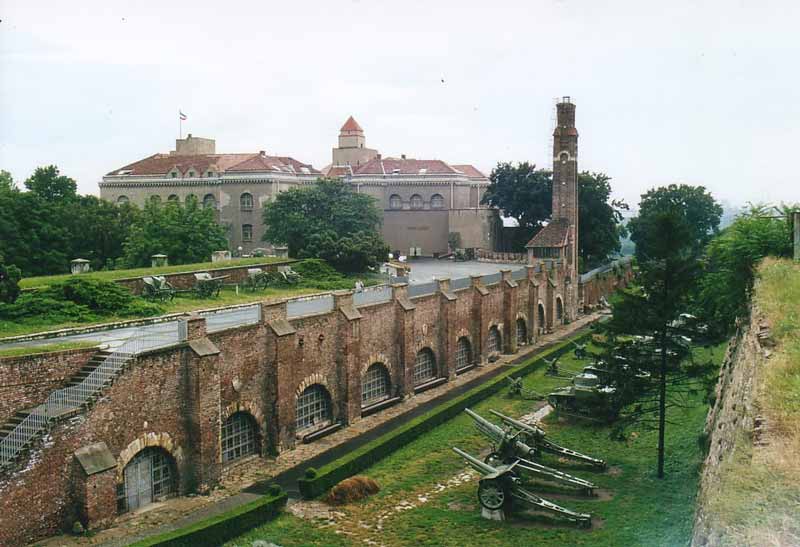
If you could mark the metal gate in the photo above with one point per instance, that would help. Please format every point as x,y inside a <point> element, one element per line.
<point>149,477</point>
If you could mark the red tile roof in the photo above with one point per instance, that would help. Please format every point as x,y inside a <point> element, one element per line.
<point>391,166</point>
<point>351,125</point>
<point>470,170</point>
<point>161,164</point>
<point>553,235</point>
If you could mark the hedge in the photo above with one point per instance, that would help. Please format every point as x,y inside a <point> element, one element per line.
<point>217,530</point>
<point>356,461</point>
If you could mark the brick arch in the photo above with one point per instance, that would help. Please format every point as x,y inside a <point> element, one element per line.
<point>462,333</point>
<point>521,315</point>
<point>376,358</point>
<point>161,440</point>
<point>556,299</point>
<point>244,406</point>
<point>495,324</point>
<point>309,381</point>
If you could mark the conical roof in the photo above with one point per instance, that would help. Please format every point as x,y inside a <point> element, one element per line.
<point>351,125</point>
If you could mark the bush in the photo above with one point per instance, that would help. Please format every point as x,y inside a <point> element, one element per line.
<point>352,489</point>
<point>9,282</point>
<point>311,473</point>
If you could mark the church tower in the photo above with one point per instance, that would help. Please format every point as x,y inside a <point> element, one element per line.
<point>352,150</point>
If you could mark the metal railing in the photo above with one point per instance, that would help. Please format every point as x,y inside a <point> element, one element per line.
<point>423,288</point>
<point>72,398</point>
<point>309,305</point>
<point>372,295</point>
<point>604,268</point>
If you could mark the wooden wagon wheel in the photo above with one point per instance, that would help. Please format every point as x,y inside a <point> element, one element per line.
<point>491,494</point>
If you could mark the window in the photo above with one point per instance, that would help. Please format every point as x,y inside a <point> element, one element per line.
<point>416,201</point>
<point>191,197</point>
<point>239,437</point>
<point>541,317</point>
<point>247,232</point>
<point>559,310</point>
<point>150,476</point>
<point>493,344</point>
<point>191,174</point>
<point>174,174</point>
<point>437,201</point>
<point>122,200</point>
<point>246,202</point>
<point>375,384</point>
<point>522,332</point>
<point>155,199</point>
<point>210,174</point>
<point>424,367</point>
<point>395,202</point>
<point>209,201</point>
<point>546,252</point>
<point>172,197</point>
<point>463,353</point>
<point>313,408</point>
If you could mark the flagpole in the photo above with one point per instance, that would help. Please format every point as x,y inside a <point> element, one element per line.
<point>180,125</point>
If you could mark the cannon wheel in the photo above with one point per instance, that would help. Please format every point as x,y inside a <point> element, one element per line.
<point>494,459</point>
<point>491,494</point>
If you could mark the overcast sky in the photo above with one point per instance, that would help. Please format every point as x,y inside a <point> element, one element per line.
<point>695,92</point>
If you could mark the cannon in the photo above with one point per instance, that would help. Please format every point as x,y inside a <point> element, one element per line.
<point>500,486</point>
<point>535,436</point>
<point>508,449</point>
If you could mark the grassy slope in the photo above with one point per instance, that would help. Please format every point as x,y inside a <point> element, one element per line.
<point>111,275</point>
<point>46,348</point>
<point>758,500</point>
<point>642,511</point>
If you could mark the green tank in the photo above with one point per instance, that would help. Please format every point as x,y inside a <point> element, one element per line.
<point>587,396</point>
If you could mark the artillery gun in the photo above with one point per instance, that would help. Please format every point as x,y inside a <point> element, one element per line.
<point>536,437</point>
<point>500,486</point>
<point>586,396</point>
<point>508,449</point>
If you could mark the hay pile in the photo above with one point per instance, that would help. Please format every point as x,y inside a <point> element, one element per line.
<point>352,489</point>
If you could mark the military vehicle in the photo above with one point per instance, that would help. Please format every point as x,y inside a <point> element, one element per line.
<point>586,396</point>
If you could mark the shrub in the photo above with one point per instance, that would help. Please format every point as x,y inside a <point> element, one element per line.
<point>274,490</point>
<point>9,282</point>
<point>352,489</point>
<point>311,473</point>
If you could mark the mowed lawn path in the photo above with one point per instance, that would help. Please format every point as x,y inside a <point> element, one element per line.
<point>428,494</point>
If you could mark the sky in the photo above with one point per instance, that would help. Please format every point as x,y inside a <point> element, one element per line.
<point>666,92</point>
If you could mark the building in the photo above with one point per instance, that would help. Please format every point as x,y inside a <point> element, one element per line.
<point>559,239</point>
<point>425,203</point>
<point>235,185</point>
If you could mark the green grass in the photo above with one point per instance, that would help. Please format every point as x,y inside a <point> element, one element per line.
<point>46,348</point>
<point>642,511</point>
<point>113,275</point>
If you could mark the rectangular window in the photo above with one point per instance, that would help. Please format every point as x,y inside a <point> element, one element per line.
<point>247,232</point>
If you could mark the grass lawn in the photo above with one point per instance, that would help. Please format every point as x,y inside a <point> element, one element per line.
<point>45,348</point>
<point>635,508</point>
<point>112,275</point>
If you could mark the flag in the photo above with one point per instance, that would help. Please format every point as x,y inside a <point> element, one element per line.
<point>182,115</point>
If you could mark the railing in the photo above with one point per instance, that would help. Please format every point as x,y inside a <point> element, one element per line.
<point>491,279</point>
<point>588,276</point>
<point>423,288</point>
<point>520,274</point>
<point>224,318</point>
<point>460,283</point>
<point>309,305</point>
<point>69,399</point>
<point>372,295</point>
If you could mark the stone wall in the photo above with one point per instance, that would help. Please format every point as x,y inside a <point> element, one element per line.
<point>26,381</point>
<point>178,398</point>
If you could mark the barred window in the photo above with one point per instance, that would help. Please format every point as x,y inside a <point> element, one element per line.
<point>424,367</point>
<point>247,232</point>
<point>150,476</point>
<point>416,201</point>
<point>190,197</point>
<point>493,343</point>
<point>375,384</point>
<point>246,202</point>
<point>437,201</point>
<point>559,310</point>
<point>522,332</point>
<point>541,316</point>
<point>313,408</point>
<point>395,202</point>
<point>155,199</point>
<point>173,197</point>
<point>209,201</point>
<point>463,353</point>
<point>239,437</point>
<point>122,199</point>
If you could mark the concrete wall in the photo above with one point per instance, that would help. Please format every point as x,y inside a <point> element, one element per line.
<point>425,229</point>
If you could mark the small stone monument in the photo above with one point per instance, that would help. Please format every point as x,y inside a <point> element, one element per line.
<point>220,256</point>
<point>79,266</point>
<point>282,252</point>
<point>156,261</point>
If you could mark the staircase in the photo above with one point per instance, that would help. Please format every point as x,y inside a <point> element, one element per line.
<point>96,360</point>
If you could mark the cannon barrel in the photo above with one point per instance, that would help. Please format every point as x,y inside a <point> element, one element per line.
<point>496,433</point>
<point>475,463</point>
<point>529,428</point>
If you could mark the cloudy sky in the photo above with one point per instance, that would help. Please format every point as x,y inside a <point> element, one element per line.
<point>695,92</point>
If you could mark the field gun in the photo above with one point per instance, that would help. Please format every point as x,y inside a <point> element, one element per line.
<point>500,485</point>
<point>536,437</point>
<point>509,450</point>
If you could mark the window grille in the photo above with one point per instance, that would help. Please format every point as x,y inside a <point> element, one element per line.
<point>238,437</point>
<point>395,202</point>
<point>522,332</point>
<point>246,202</point>
<point>122,199</point>
<point>247,232</point>
<point>559,310</point>
<point>541,317</point>
<point>416,201</point>
<point>493,343</point>
<point>173,197</point>
<point>424,367</point>
<point>209,201</point>
<point>437,201</point>
<point>463,353</point>
<point>313,408</point>
<point>148,477</point>
<point>375,384</point>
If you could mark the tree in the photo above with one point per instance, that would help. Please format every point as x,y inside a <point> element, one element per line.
<point>6,181</point>
<point>600,220</point>
<point>669,231</point>
<point>51,186</point>
<point>330,221</point>
<point>9,282</point>
<point>102,228</point>
<point>186,233</point>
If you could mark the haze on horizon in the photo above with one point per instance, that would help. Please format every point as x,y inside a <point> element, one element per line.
<point>701,93</point>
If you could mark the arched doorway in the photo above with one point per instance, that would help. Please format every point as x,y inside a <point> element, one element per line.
<point>239,437</point>
<point>542,319</point>
<point>463,354</point>
<point>424,366</point>
<point>559,310</point>
<point>494,342</point>
<point>149,477</point>
<point>314,409</point>
<point>375,385</point>
<point>522,332</point>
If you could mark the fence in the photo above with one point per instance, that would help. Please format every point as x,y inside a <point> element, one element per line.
<point>372,295</point>
<point>309,305</point>
<point>624,261</point>
<point>423,288</point>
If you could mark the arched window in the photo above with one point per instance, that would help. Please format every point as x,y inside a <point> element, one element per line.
<point>150,476</point>
<point>493,343</point>
<point>522,332</point>
<point>173,197</point>
<point>542,324</point>
<point>246,202</point>
<point>239,437</point>
<point>375,384</point>
<point>424,367</point>
<point>463,353</point>
<point>209,201</point>
<point>313,408</point>
<point>121,200</point>
<point>190,198</point>
<point>155,199</point>
<point>395,202</point>
<point>247,232</point>
<point>559,310</point>
<point>437,201</point>
<point>416,201</point>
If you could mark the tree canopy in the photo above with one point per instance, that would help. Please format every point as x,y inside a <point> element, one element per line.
<point>50,185</point>
<point>330,221</point>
